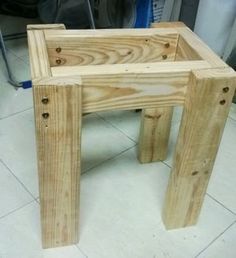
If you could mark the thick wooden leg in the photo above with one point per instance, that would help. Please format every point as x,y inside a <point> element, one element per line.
<point>58,130</point>
<point>208,100</point>
<point>154,134</point>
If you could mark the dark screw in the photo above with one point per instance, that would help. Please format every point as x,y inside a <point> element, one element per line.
<point>222,102</point>
<point>164,57</point>
<point>225,89</point>
<point>45,100</point>
<point>167,45</point>
<point>45,115</point>
<point>58,61</point>
<point>58,49</point>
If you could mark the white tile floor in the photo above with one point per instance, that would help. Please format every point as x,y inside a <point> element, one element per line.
<point>121,200</point>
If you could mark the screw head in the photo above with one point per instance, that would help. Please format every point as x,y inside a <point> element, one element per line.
<point>45,115</point>
<point>45,100</point>
<point>167,45</point>
<point>58,49</point>
<point>58,61</point>
<point>164,57</point>
<point>225,89</point>
<point>223,101</point>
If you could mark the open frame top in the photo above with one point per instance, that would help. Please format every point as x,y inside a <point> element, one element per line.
<point>114,65</point>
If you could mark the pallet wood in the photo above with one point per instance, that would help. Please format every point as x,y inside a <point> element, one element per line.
<point>205,112</point>
<point>200,81</point>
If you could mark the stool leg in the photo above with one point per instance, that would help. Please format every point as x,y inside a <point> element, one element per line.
<point>154,134</point>
<point>207,104</point>
<point>58,130</point>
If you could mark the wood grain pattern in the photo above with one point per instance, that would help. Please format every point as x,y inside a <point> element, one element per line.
<point>39,64</point>
<point>54,26</point>
<point>132,86</point>
<point>185,52</point>
<point>154,134</point>
<point>112,49</point>
<point>58,149</point>
<point>205,113</point>
<point>200,48</point>
<point>155,123</point>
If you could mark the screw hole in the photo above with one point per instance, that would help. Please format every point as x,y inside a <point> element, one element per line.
<point>164,57</point>
<point>45,100</point>
<point>222,102</point>
<point>45,115</point>
<point>167,45</point>
<point>58,61</point>
<point>225,89</point>
<point>58,49</point>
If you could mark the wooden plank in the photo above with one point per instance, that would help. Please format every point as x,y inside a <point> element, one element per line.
<point>155,123</point>
<point>123,69</point>
<point>201,48</point>
<point>132,86</point>
<point>154,134</point>
<point>67,50</point>
<point>57,105</point>
<point>39,64</point>
<point>208,100</point>
<point>54,26</point>
<point>185,52</point>
<point>168,25</point>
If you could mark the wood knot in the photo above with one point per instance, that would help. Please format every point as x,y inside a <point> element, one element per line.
<point>164,57</point>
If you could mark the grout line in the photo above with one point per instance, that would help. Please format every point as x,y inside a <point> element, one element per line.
<point>166,164</point>
<point>16,113</point>
<point>205,248</point>
<point>26,189</point>
<point>111,158</point>
<point>10,212</point>
<point>107,121</point>
<point>221,204</point>
<point>86,256</point>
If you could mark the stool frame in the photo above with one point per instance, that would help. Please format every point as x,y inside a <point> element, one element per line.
<point>82,71</point>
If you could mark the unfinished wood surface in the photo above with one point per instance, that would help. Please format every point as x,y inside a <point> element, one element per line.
<point>154,134</point>
<point>39,63</point>
<point>155,123</point>
<point>132,86</point>
<point>185,52</point>
<point>46,27</point>
<point>200,48</point>
<point>66,50</point>
<point>207,104</point>
<point>58,130</point>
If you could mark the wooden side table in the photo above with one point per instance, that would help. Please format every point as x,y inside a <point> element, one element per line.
<point>84,71</point>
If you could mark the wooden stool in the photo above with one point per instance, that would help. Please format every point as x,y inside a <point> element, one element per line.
<point>84,71</point>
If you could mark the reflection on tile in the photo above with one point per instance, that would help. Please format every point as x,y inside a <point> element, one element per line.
<point>224,246</point>
<point>121,204</point>
<point>20,237</point>
<point>12,194</point>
